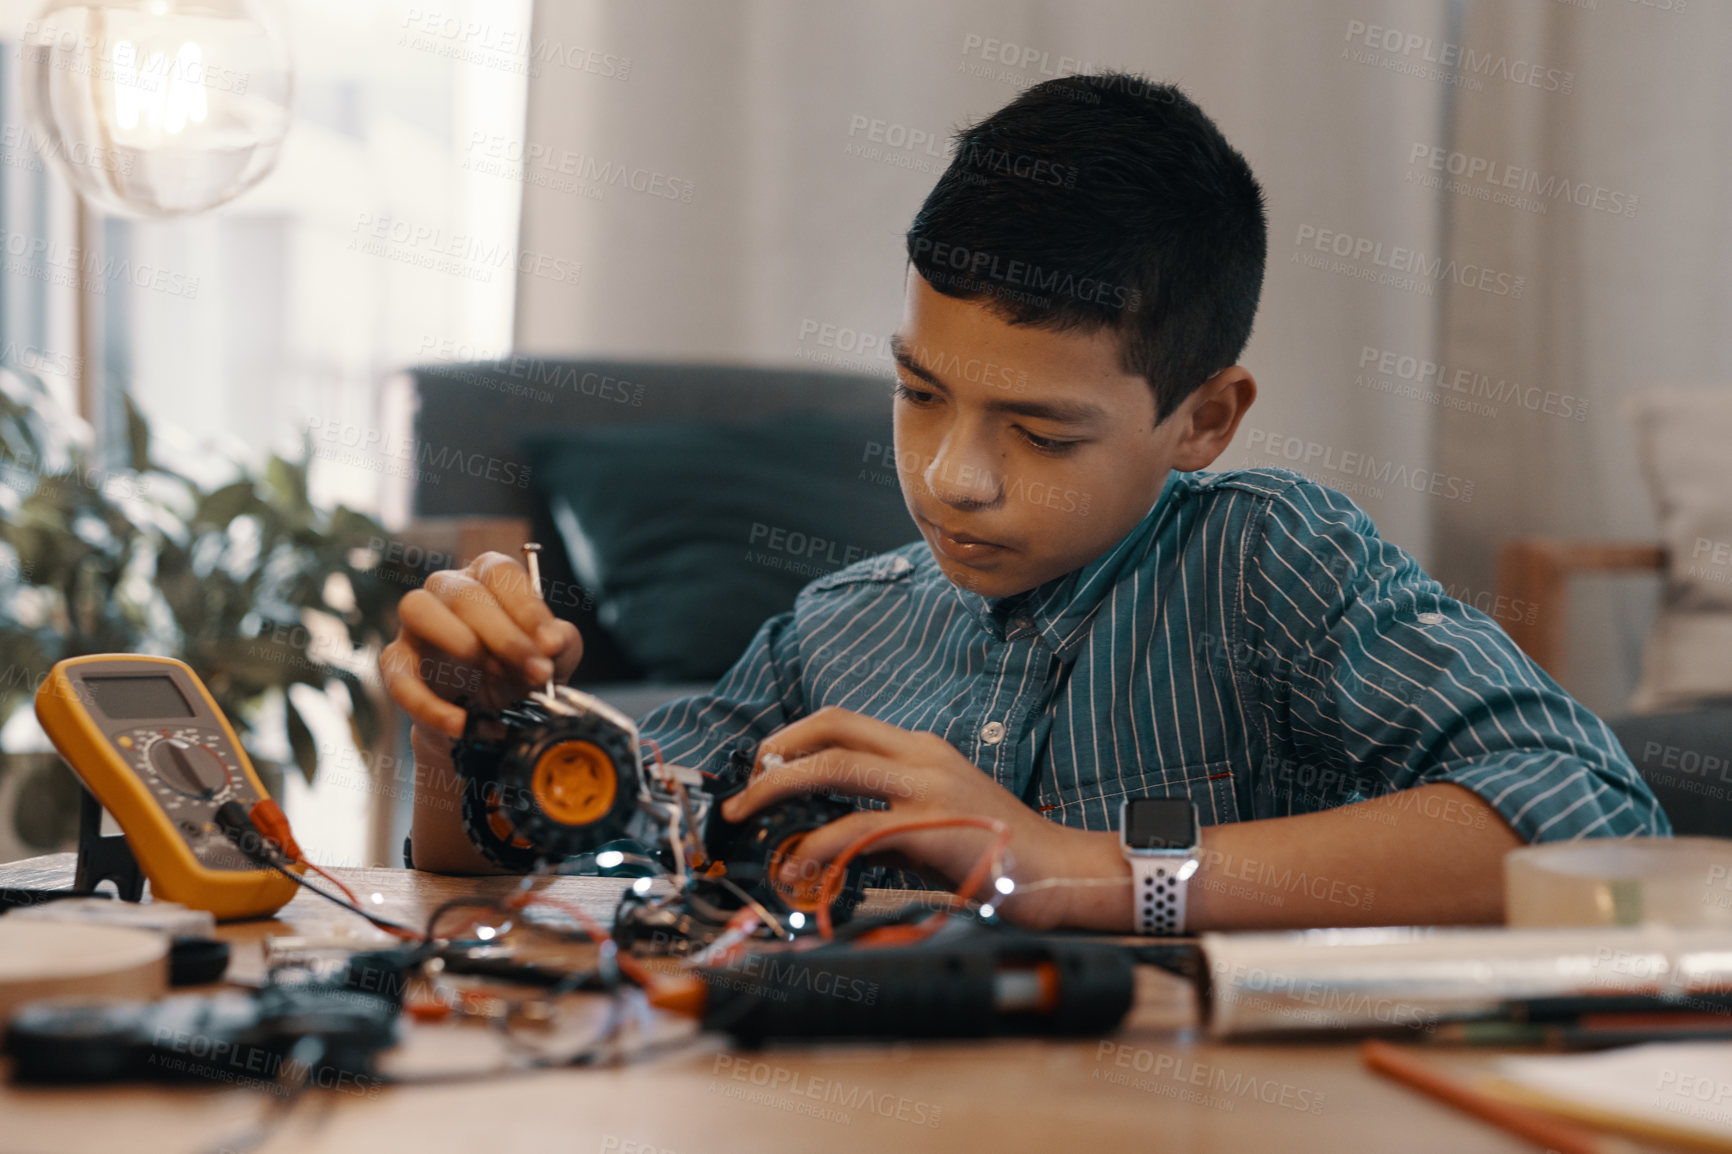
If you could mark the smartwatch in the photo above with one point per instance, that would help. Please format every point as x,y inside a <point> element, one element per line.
<point>1158,836</point>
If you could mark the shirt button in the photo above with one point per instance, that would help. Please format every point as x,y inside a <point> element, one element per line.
<point>992,732</point>
<point>1431,619</point>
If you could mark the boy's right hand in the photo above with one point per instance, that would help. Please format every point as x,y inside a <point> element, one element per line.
<point>478,632</point>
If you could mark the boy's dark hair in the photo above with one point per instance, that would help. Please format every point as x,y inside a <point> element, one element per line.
<point>1104,201</point>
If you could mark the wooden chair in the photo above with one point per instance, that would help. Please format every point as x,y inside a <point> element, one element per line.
<point>1537,571</point>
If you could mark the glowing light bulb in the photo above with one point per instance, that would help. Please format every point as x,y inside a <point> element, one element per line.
<point>797,919</point>
<point>609,858</point>
<point>149,108</point>
<point>1004,886</point>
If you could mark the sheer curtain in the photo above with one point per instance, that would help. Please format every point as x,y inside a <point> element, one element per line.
<point>809,134</point>
<point>1631,285</point>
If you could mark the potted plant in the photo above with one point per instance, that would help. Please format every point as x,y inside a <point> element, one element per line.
<point>248,582</point>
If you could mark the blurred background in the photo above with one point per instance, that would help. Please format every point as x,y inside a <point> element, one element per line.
<point>1495,311</point>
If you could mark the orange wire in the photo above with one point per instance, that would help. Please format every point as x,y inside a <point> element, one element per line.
<point>626,962</point>
<point>347,892</point>
<point>405,935</point>
<point>831,886</point>
<point>742,919</point>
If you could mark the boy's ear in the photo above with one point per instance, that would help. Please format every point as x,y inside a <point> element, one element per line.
<point>1209,417</point>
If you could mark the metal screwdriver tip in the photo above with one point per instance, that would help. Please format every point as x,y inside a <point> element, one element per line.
<point>532,558</point>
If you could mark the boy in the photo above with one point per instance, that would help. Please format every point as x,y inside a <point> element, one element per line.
<point>1089,619</point>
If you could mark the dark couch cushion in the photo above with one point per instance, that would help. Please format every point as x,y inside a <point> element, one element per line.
<point>691,535</point>
<point>1686,758</point>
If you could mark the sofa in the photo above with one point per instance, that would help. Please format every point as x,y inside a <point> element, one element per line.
<point>698,496</point>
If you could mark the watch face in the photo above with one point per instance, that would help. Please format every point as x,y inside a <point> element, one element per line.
<point>1160,823</point>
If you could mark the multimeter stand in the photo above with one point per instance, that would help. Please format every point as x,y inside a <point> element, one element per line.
<point>104,859</point>
<point>100,859</point>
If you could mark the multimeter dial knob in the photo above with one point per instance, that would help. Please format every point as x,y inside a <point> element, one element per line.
<point>194,770</point>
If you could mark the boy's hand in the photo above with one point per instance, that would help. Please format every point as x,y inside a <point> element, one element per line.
<point>479,632</point>
<point>922,777</point>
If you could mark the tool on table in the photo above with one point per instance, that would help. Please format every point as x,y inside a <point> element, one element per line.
<point>150,746</point>
<point>965,981</point>
<point>237,1038</point>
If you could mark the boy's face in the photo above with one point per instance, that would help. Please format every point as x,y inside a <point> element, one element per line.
<point>1024,454</point>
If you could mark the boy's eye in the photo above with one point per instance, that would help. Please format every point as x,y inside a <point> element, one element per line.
<point>913,396</point>
<point>1047,444</point>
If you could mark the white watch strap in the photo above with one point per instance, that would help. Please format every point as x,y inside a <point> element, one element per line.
<point>1158,892</point>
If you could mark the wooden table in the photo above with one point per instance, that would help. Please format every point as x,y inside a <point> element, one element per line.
<point>1147,1088</point>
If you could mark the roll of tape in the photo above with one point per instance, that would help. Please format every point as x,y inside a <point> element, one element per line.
<point>43,959</point>
<point>1683,881</point>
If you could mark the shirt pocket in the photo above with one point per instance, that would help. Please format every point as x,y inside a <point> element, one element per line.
<point>1096,806</point>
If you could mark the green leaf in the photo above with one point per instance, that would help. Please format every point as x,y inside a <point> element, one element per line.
<point>301,740</point>
<point>137,437</point>
<point>363,711</point>
<point>288,485</point>
<point>227,503</point>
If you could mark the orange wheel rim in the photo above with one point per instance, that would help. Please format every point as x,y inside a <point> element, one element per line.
<point>575,783</point>
<point>803,894</point>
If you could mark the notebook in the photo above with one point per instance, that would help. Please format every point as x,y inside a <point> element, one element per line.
<point>1677,1092</point>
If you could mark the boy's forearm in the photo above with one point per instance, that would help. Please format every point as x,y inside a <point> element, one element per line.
<point>436,827</point>
<point>1432,855</point>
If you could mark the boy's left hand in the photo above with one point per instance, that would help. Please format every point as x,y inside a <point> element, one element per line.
<point>921,777</point>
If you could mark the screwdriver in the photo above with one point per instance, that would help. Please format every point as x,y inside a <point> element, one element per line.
<point>532,557</point>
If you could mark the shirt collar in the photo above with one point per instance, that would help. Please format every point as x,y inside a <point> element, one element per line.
<point>1061,609</point>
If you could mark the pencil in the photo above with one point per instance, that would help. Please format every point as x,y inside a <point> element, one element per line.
<point>1536,1126</point>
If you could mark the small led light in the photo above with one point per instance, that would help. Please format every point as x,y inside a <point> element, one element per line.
<point>797,919</point>
<point>986,911</point>
<point>485,933</point>
<point>376,899</point>
<point>1004,886</point>
<point>609,858</point>
<point>641,886</point>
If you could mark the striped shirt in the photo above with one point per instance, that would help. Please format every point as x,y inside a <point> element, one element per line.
<point>1252,643</point>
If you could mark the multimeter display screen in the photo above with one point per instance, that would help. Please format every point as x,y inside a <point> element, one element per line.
<point>137,698</point>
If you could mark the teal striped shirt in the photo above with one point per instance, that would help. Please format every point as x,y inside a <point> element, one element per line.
<point>1252,643</point>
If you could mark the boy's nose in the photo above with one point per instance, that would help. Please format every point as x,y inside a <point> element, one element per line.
<point>960,483</point>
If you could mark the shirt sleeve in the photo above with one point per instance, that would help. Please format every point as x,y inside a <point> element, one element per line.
<point>760,694</point>
<point>1371,679</point>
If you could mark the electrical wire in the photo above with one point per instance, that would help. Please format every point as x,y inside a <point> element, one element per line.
<point>343,889</point>
<point>385,924</point>
<point>1053,883</point>
<point>243,831</point>
<point>628,964</point>
<point>830,887</point>
<point>678,994</point>
<point>289,1087</point>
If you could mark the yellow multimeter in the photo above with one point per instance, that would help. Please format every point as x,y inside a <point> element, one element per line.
<point>147,739</point>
